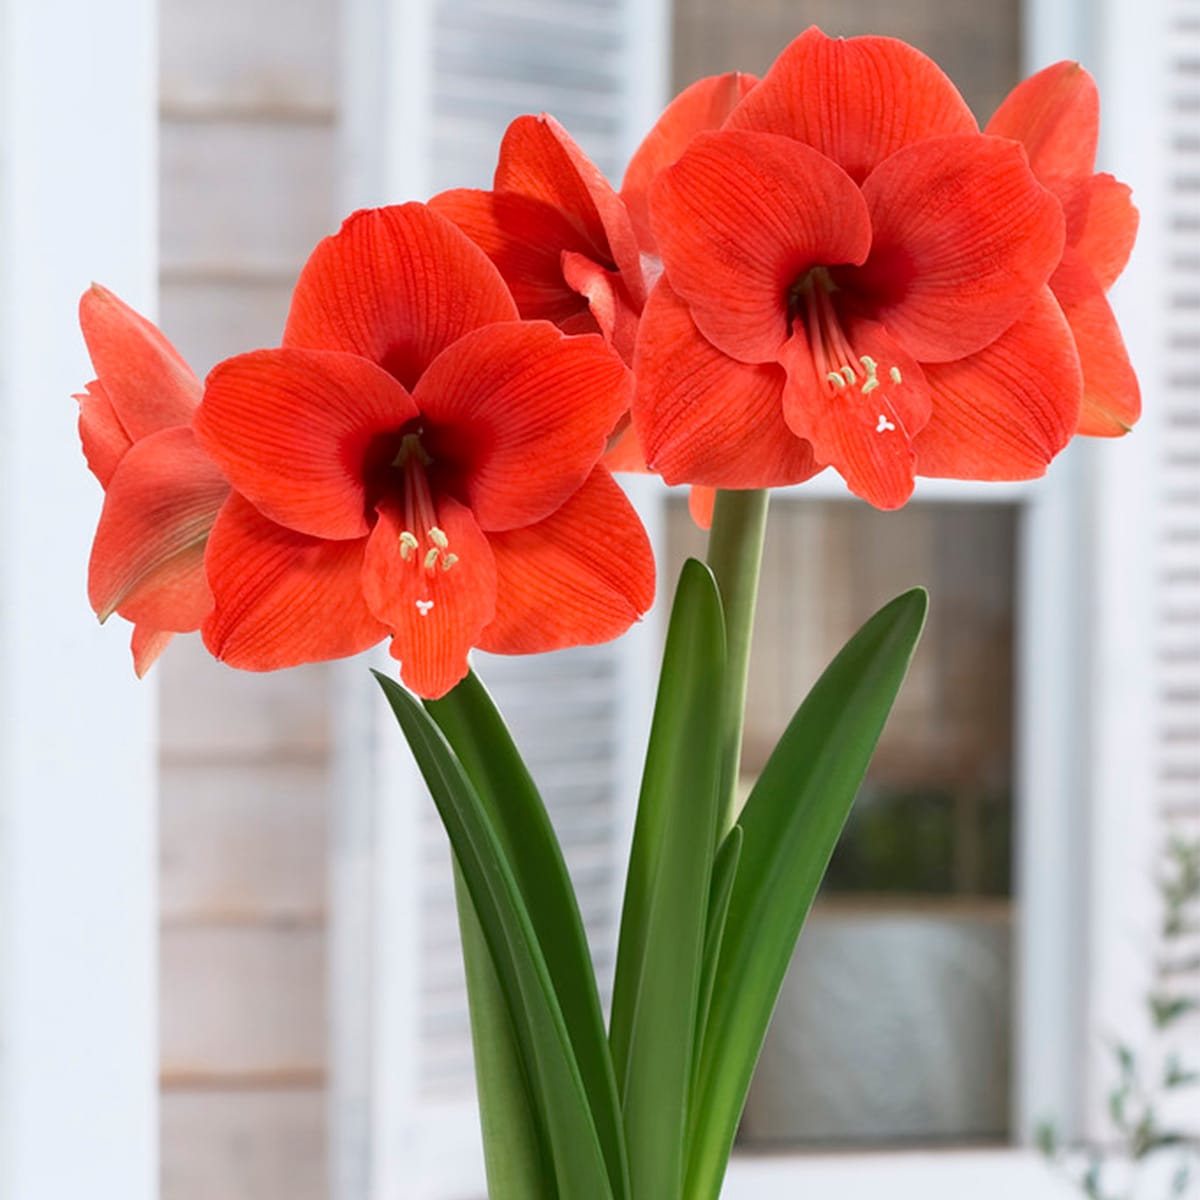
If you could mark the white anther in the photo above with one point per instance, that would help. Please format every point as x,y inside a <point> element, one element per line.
<point>408,543</point>
<point>869,385</point>
<point>431,557</point>
<point>449,561</point>
<point>849,375</point>
<point>836,379</point>
<point>895,374</point>
<point>438,538</point>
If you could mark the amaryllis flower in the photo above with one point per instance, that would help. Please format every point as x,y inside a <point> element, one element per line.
<point>701,107</point>
<point>162,493</point>
<point>855,277</point>
<point>1056,115</point>
<point>558,233</point>
<point>416,463</point>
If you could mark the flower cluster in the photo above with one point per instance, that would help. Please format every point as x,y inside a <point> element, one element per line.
<point>832,266</point>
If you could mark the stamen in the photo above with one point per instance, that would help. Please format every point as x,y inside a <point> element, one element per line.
<point>870,385</point>
<point>431,557</point>
<point>408,543</point>
<point>895,374</point>
<point>849,375</point>
<point>449,561</point>
<point>836,379</point>
<point>438,538</point>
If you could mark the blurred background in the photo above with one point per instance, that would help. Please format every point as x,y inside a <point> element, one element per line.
<point>992,923</point>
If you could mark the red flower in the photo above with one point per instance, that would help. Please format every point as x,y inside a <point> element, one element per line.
<point>702,106</point>
<point>416,462</point>
<point>557,232</point>
<point>854,276</point>
<point>162,493</point>
<point>1056,115</point>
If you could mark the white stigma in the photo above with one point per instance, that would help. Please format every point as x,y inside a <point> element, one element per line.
<point>423,607</point>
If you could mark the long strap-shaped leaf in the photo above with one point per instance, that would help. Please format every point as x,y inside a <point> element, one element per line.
<point>790,825</point>
<point>515,1154</point>
<point>579,1165</point>
<point>663,924</point>
<point>475,729</point>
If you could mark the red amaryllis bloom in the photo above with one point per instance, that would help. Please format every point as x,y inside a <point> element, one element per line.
<point>1056,115</point>
<point>702,106</point>
<point>162,493</point>
<point>855,277</point>
<point>417,463</point>
<point>557,232</point>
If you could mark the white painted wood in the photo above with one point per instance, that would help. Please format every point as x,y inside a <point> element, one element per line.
<point>1127,500</point>
<point>211,319</point>
<point>77,787</point>
<point>244,197</point>
<point>242,1002</point>
<point>210,713</point>
<point>244,844</point>
<point>928,1175</point>
<point>247,1145</point>
<point>249,56</point>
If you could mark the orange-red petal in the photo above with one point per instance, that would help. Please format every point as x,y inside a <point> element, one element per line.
<point>146,645</point>
<point>1109,227</point>
<point>703,105</point>
<point>1005,412</point>
<point>704,417</point>
<point>1112,400</point>
<point>520,413</point>
<point>148,555</point>
<point>540,159</point>
<point>581,576</point>
<point>607,299</point>
<point>434,611</point>
<point>299,432</point>
<point>147,383</point>
<point>965,237</point>
<point>700,505</point>
<point>1055,114</point>
<point>525,238</point>
<point>740,218</point>
<point>283,598</point>
<point>863,431</point>
<point>104,439</point>
<point>857,100</point>
<point>395,285</point>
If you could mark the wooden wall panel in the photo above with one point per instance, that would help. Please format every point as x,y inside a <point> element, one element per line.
<point>242,1003</point>
<point>237,846</point>
<point>262,55</point>
<point>257,1145</point>
<point>977,42</point>
<point>247,119</point>
<point>243,198</point>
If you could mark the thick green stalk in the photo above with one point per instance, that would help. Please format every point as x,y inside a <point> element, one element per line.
<point>735,546</point>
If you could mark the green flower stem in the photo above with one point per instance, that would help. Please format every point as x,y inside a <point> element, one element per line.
<point>735,546</point>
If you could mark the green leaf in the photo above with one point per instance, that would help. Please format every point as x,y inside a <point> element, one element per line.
<point>580,1169</point>
<point>514,1150</point>
<point>725,867</point>
<point>473,726</point>
<point>664,919</point>
<point>791,823</point>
